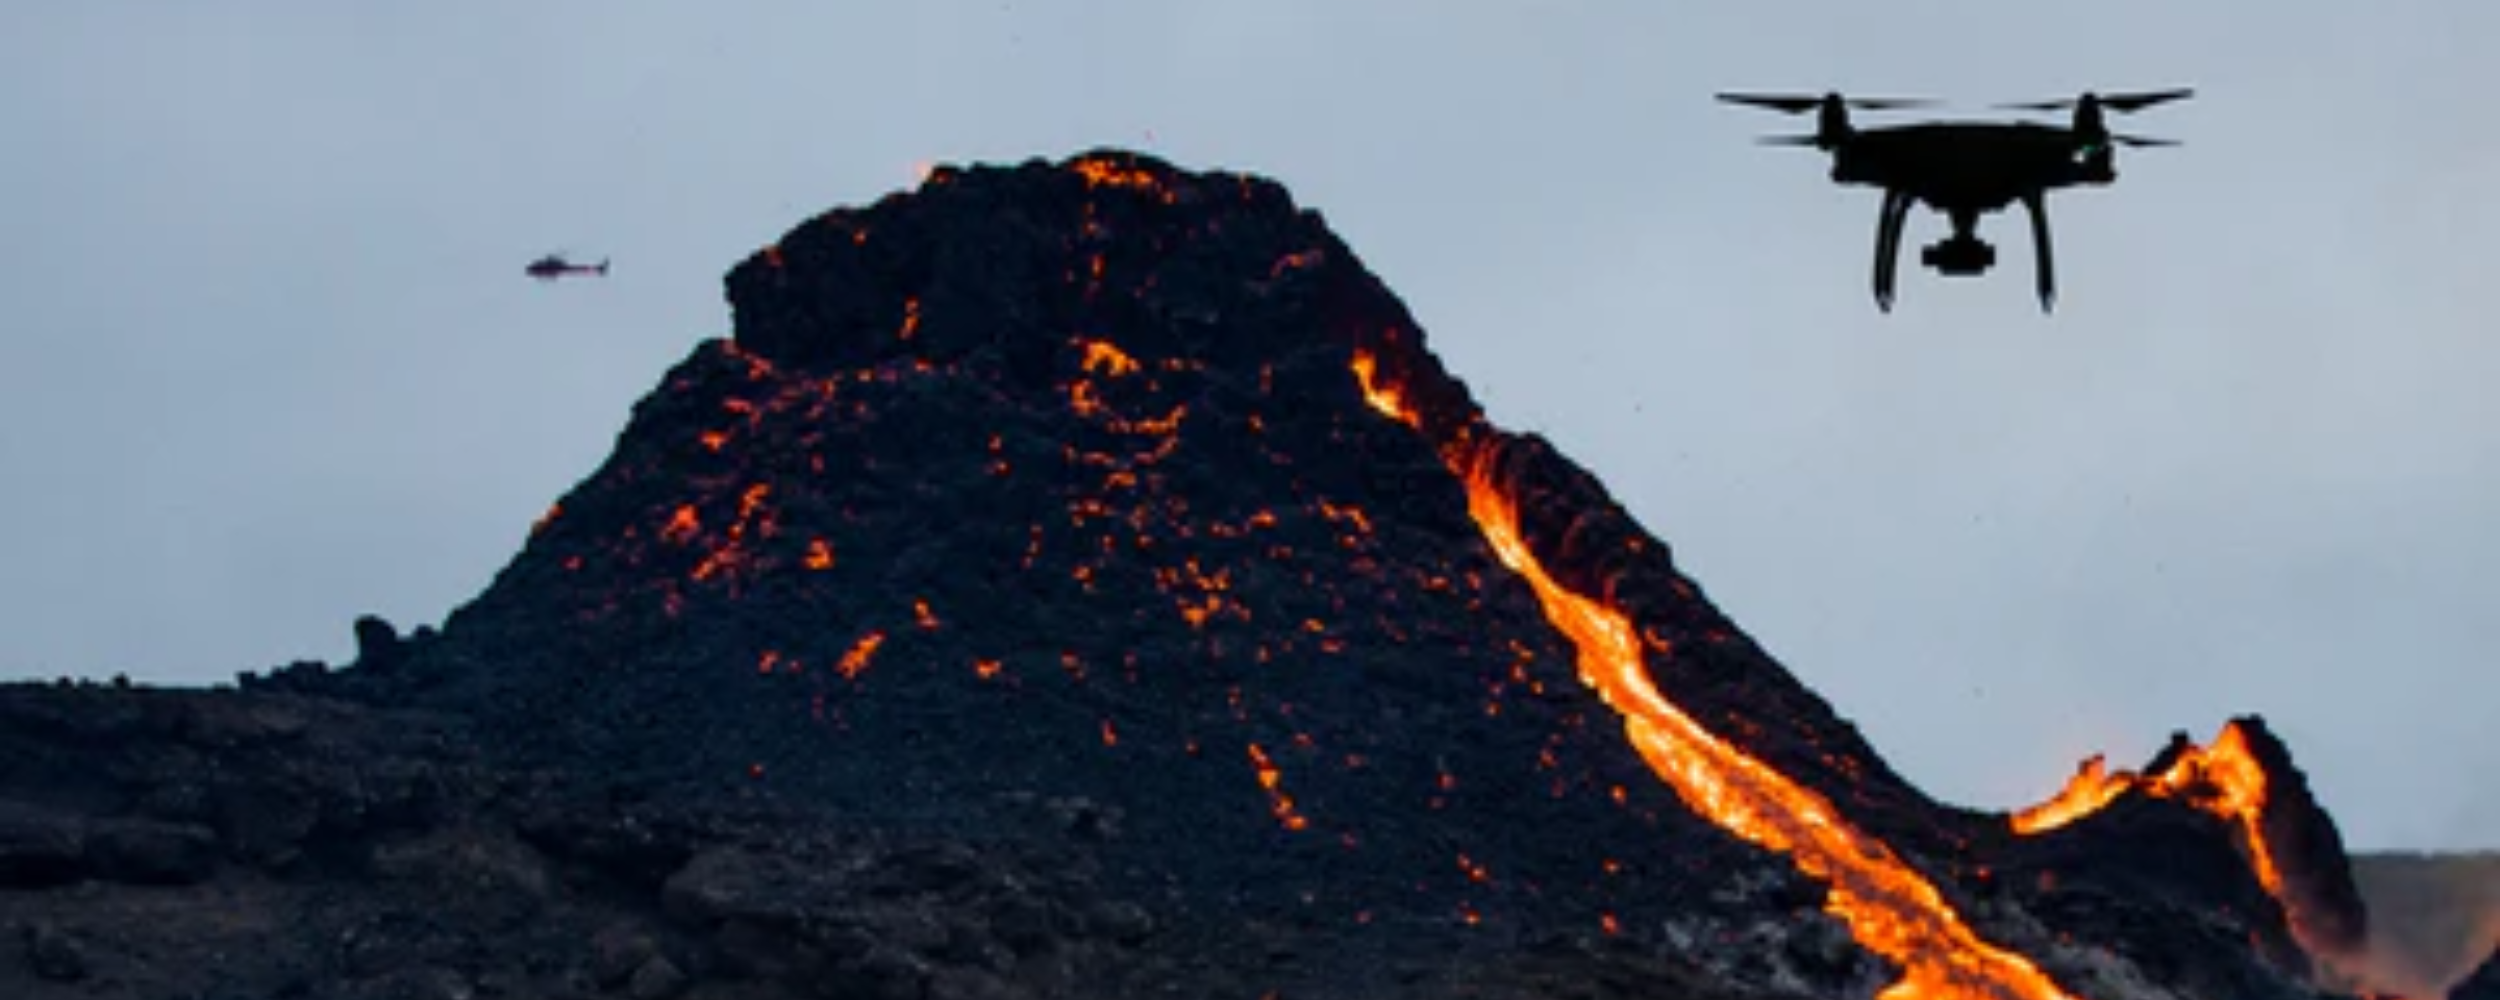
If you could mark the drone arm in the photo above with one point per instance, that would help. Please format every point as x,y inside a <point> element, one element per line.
<point>1888,244</point>
<point>2044,266</point>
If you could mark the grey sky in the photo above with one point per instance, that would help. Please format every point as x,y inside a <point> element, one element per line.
<point>269,362</point>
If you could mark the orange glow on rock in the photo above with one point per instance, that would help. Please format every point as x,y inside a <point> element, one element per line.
<point>1386,399</point>
<point>1104,359</point>
<point>2223,780</point>
<point>986,669</point>
<point>1347,513</point>
<point>682,525</point>
<point>855,662</point>
<point>911,319</point>
<point>1888,906</point>
<point>819,555</point>
<point>1272,779</point>
<point>1294,262</point>
<point>554,510</point>
<point>1102,173</point>
<point>921,616</point>
<point>2092,787</point>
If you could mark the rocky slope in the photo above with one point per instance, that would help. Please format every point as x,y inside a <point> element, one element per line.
<point>1079,578</point>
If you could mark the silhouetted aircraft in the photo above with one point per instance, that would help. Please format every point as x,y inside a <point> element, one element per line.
<point>1964,170</point>
<point>553,266</point>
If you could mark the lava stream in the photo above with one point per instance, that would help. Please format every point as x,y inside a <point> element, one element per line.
<point>1889,907</point>
<point>2224,780</point>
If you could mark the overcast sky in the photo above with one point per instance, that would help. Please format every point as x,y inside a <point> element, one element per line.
<point>267,361</point>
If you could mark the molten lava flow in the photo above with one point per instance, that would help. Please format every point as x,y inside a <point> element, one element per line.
<point>1102,173</point>
<point>855,661</point>
<point>1272,779</point>
<point>2091,788</point>
<point>1104,358</point>
<point>2224,780</point>
<point>1386,399</point>
<point>1888,906</point>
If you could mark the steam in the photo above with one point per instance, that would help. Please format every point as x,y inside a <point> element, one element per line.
<point>2434,919</point>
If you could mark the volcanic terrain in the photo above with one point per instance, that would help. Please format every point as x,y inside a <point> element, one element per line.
<point>1080,579</point>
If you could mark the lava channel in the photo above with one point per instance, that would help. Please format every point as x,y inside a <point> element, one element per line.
<point>2225,780</point>
<point>1887,905</point>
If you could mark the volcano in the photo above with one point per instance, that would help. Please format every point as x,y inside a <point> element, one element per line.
<point>1094,554</point>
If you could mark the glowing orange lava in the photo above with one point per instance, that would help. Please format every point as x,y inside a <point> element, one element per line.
<point>1101,357</point>
<point>2224,780</point>
<point>1272,779</point>
<point>855,662</point>
<point>682,525</point>
<point>1100,173</point>
<point>1888,906</point>
<point>2091,788</point>
<point>1386,399</point>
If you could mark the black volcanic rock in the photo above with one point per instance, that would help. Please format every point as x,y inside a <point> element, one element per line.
<point>1063,584</point>
<point>2483,984</point>
<point>393,862</point>
<point>1053,482</point>
<point>2307,847</point>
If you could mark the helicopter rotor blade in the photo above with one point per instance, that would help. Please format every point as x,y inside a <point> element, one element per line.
<point>2138,140</point>
<point>1789,140</point>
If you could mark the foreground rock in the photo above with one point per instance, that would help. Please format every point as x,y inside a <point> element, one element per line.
<point>2482,984</point>
<point>169,844</point>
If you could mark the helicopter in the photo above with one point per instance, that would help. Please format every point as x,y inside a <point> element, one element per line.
<point>1965,170</point>
<point>553,266</point>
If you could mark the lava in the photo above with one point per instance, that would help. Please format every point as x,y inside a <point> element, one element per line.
<point>1887,905</point>
<point>1387,399</point>
<point>2224,780</point>
<point>855,662</point>
<point>1100,173</point>
<point>1272,779</point>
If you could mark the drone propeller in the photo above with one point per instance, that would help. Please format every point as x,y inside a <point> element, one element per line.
<point>1801,103</point>
<point>2114,102</point>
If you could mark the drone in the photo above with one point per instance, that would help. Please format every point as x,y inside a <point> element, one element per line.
<point>553,266</point>
<point>1965,170</point>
